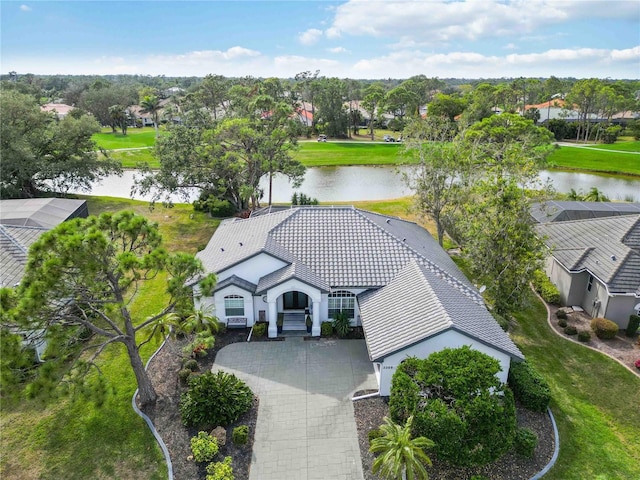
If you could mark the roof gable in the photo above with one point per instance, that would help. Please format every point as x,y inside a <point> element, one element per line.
<point>14,247</point>
<point>416,305</point>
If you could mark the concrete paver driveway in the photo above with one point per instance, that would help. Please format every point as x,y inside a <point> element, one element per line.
<point>306,428</point>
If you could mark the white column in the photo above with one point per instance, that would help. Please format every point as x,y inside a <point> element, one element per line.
<point>315,328</point>
<point>273,317</point>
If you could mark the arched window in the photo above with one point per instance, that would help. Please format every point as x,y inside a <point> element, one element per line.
<point>234,306</point>
<point>342,301</point>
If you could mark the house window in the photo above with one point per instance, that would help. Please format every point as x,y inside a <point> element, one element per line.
<point>590,283</point>
<point>234,306</point>
<point>342,301</point>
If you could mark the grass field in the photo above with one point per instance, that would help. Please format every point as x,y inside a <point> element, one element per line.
<point>319,154</point>
<point>135,138</point>
<point>597,160</point>
<point>595,403</point>
<point>132,158</point>
<point>63,438</point>
<point>628,146</point>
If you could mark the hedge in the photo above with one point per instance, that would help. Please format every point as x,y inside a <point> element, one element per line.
<point>547,290</point>
<point>529,387</point>
<point>632,327</point>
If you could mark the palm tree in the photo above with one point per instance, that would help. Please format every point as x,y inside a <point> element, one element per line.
<point>401,457</point>
<point>595,195</point>
<point>201,321</point>
<point>151,104</point>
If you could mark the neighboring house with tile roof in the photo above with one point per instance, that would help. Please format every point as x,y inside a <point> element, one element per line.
<point>388,274</point>
<point>60,110</point>
<point>561,210</point>
<point>21,224</point>
<point>595,264</point>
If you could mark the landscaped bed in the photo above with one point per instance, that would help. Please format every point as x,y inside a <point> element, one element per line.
<point>369,413</point>
<point>165,414</point>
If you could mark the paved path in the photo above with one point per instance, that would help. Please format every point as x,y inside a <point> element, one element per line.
<point>306,428</point>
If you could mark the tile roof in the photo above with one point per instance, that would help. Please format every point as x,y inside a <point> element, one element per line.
<point>14,246</point>
<point>342,246</point>
<point>562,211</point>
<point>296,270</point>
<point>417,304</point>
<point>237,281</point>
<point>609,248</point>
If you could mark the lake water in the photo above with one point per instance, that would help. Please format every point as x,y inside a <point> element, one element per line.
<point>344,184</point>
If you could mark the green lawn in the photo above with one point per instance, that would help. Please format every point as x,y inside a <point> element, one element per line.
<point>319,154</point>
<point>597,160</point>
<point>132,158</point>
<point>632,146</point>
<point>135,138</point>
<point>63,438</point>
<point>595,403</point>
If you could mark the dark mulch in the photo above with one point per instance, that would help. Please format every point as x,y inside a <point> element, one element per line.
<point>165,414</point>
<point>370,412</point>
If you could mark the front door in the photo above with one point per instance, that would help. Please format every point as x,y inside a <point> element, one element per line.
<point>295,301</point>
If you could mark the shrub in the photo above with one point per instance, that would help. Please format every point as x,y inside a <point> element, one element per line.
<point>529,387</point>
<point>547,290</point>
<point>341,324</point>
<point>562,314</point>
<point>240,435</point>
<point>222,328</point>
<point>220,470</point>
<point>632,326</point>
<point>214,206</point>
<point>373,434</point>
<point>562,323</point>
<point>637,363</point>
<point>326,329</point>
<point>191,364</point>
<point>479,477</point>
<point>603,328</point>
<point>259,329</point>
<point>570,330</point>
<point>184,374</point>
<point>204,447</point>
<point>525,442</point>
<point>214,399</point>
<point>456,398</point>
<point>584,336</point>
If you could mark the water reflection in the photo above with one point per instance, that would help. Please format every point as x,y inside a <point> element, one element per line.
<point>344,184</point>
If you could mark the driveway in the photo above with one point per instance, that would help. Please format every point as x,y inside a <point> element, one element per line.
<point>306,428</point>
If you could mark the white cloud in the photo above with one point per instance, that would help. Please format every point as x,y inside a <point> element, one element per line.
<point>510,46</point>
<point>310,37</point>
<point>337,50</point>
<point>443,20</point>
<point>25,8</point>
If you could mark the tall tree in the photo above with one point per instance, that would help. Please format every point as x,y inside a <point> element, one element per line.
<point>229,160</point>
<point>373,99</point>
<point>400,456</point>
<point>583,98</point>
<point>41,154</point>
<point>446,106</point>
<point>506,152</point>
<point>332,114</point>
<point>151,105</point>
<point>440,176</point>
<point>307,85</point>
<point>84,274</point>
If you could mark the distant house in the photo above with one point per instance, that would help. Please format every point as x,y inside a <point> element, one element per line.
<point>595,263</point>
<point>388,275</point>
<point>21,224</point>
<point>61,110</point>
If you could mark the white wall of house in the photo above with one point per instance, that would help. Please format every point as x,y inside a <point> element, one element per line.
<point>234,290</point>
<point>253,269</point>
<point>619,308</point>
<point>447,339</point>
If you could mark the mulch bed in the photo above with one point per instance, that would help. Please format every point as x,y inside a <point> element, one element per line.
<point>622,348</point>
<point>369,413</point>
<point>165,414</point>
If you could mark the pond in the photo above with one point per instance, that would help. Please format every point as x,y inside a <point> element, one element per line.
<point>344,184</point>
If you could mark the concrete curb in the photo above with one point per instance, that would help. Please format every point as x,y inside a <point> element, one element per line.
<point>155,433</point>
<point>556,449</point>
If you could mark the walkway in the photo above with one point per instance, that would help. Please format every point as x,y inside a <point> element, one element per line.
<point>306,427</point>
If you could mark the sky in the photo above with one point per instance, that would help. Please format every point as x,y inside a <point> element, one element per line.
<point>359,39</point>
